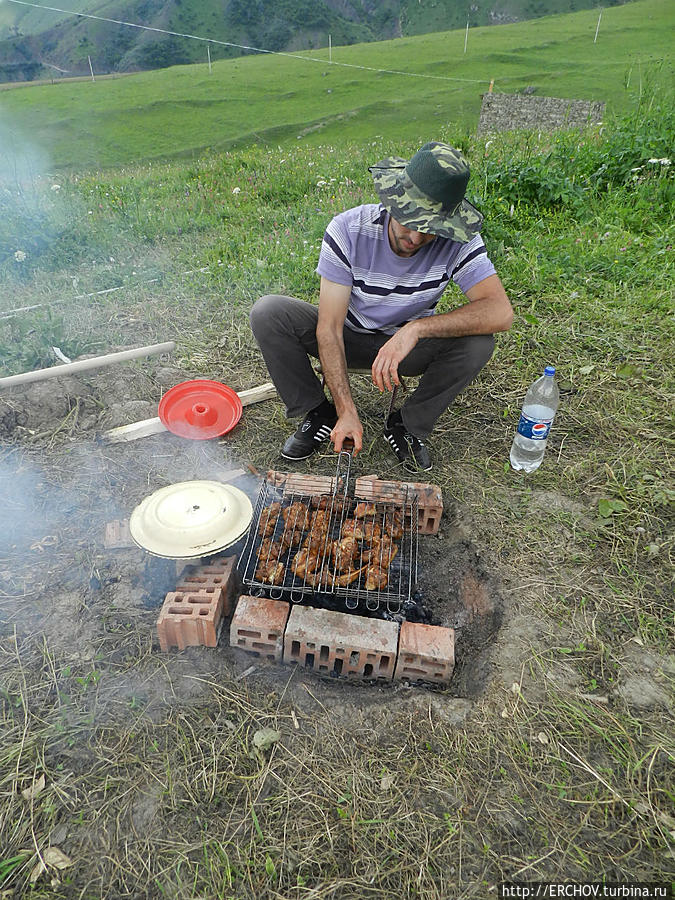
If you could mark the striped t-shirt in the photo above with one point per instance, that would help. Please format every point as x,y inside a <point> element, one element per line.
<point>389,290</point>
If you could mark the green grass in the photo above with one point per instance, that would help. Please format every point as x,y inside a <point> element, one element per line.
<point>558,768</point>
<point>275,100</point>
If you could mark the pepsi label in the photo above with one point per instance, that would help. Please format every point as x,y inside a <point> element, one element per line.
<point>534,429</point>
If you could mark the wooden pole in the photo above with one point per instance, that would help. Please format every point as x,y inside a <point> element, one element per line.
<point>84,365</point>
<point>466,34</point>
<point>208,53</point>
<point>330,48</point>
<point>91,69</point>
<point>597,28</point>
<point>492,84</point>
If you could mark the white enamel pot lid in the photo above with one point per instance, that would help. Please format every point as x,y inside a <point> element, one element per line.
<point>190,519</point>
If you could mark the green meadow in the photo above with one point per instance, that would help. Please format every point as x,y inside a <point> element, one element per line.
<point>129,773</point>
<point>423,83</point>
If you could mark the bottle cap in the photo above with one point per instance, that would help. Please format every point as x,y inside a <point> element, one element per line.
<point>549,370</point>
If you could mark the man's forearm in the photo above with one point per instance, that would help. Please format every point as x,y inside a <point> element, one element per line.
<point>334,366</point>
<point>478,317</point>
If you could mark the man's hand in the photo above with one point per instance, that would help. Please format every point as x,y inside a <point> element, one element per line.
<point>347,426</point>
<point>385,367</point>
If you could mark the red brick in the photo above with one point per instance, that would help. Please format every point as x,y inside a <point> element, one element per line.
<point>191,619</point>
<point>332,642</point>
<point>220,572</point>
<point>370,487</point>
<point>258,626</point>
<point>429,498</point>
<point>425,653</point>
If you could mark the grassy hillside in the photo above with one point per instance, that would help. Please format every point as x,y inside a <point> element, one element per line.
<point>276,99</point>
<point>36,43</point>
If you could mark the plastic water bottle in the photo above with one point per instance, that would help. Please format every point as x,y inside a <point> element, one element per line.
<point>539,408</point>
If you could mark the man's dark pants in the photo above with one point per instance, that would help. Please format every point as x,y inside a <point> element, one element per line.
<point>285,329</point>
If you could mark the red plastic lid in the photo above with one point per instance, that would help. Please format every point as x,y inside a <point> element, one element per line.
<point>200,409</point>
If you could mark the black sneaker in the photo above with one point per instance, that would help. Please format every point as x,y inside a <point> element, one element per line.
<point>315,429</point>
<point>406,446</point>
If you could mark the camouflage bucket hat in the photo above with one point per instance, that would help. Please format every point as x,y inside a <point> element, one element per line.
<point>426,193</point>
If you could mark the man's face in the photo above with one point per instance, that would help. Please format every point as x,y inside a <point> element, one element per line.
<point>404,241</point>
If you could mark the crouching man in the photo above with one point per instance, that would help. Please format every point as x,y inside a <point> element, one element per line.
<point>384,268</point>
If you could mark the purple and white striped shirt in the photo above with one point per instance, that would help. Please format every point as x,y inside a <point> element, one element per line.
<point>390,290</point>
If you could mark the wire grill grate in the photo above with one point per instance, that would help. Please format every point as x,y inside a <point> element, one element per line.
<point>374,570</point>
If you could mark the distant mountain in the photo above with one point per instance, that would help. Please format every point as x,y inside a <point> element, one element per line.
<point>40,43</point>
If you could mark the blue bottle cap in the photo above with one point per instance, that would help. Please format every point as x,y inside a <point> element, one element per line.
<point>549,370</point>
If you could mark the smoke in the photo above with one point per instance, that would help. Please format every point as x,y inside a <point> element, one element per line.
<point>25,227</point>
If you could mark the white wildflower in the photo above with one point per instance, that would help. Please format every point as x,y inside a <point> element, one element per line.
<point>19,256</point>
<point>56,187</point>
<point>662,162</point>
<point>236,190</point>
<point>321,182</point>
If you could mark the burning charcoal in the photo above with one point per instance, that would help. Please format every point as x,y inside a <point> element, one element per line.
<point>268,519</point>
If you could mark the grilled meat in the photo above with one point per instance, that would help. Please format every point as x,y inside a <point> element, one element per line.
<point>376,578</point>
<point>392,525</point>
<point>352,528</point>
<point>382,553</point>
<point>296,516</point>
<point>305,563</point>
<point>269,549</point>
<point>371,532</point>
<point>270,572</point>
<point>344,552</point>
<point>348,577</point>
<point>268,519</point>
<point>364,509</point>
